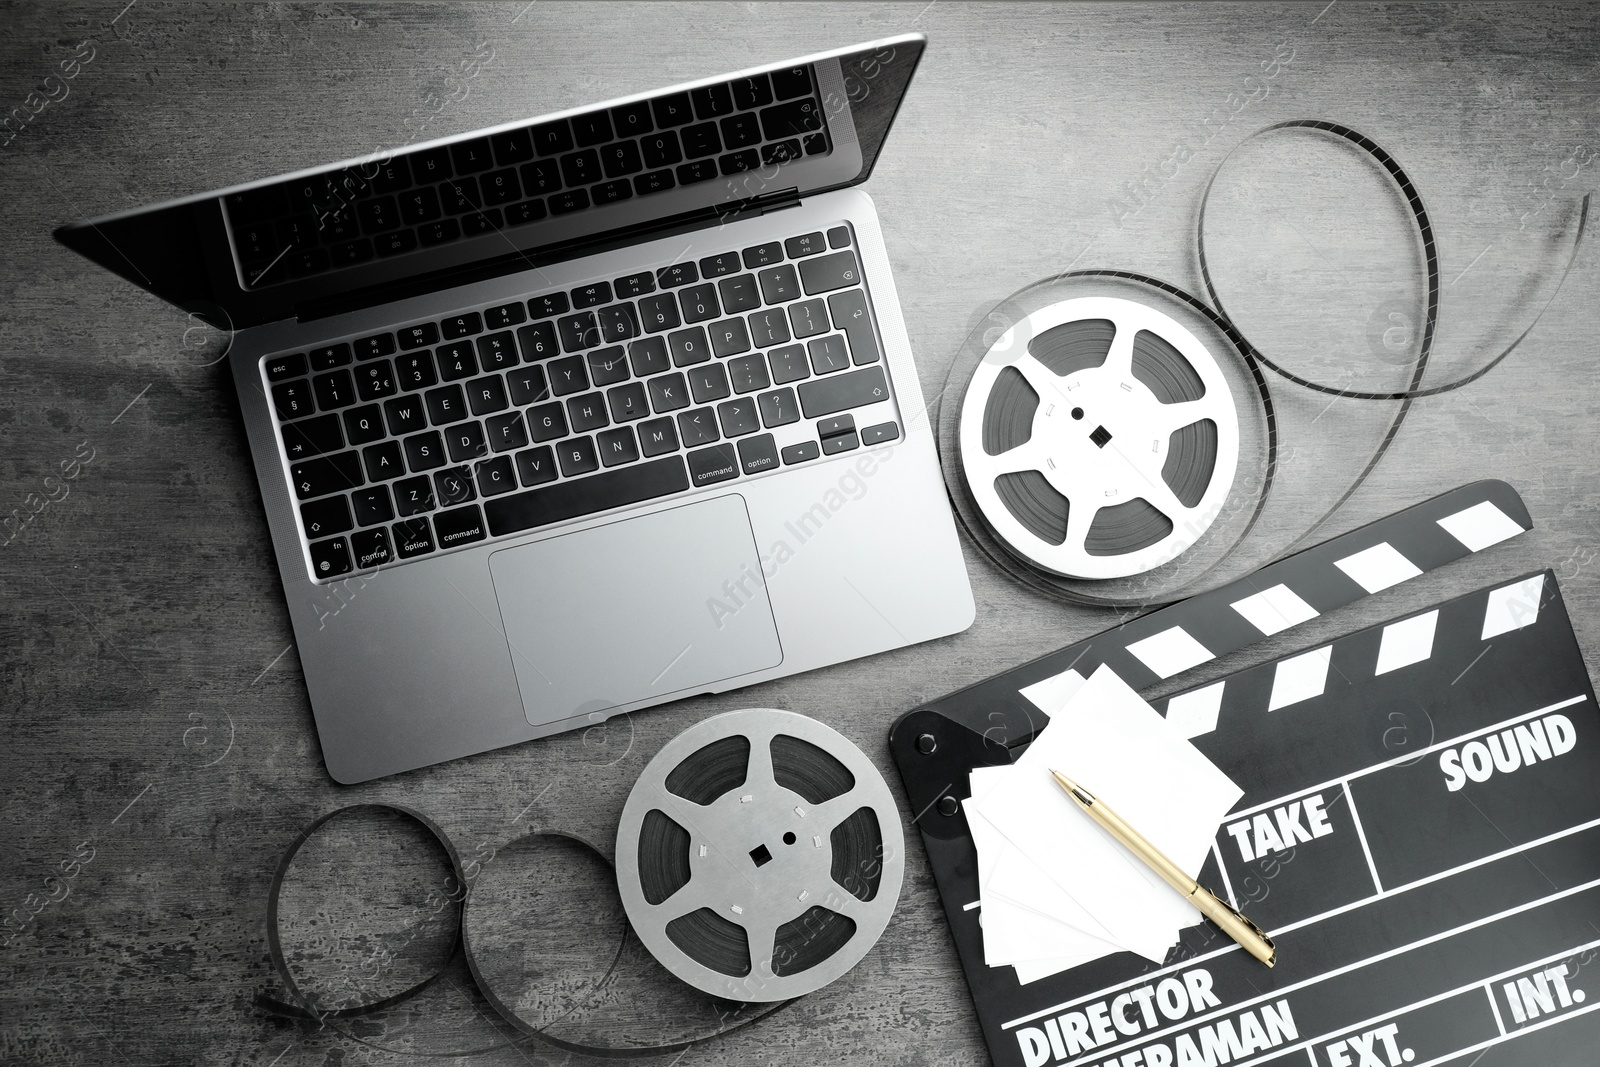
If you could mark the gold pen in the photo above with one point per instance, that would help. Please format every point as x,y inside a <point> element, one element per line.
<point>1246,933</point>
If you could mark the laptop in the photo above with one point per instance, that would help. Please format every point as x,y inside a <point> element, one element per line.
<point>576,415</point>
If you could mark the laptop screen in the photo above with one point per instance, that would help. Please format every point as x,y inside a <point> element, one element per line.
<point>408,219</point>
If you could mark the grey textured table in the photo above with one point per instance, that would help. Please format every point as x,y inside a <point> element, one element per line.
<point>158,751</point>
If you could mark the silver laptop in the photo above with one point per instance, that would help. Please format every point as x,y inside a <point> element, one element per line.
<point>577,415</point>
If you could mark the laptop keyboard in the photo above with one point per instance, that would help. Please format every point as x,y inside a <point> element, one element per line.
<point>495,421</point>
<point>434,196</point>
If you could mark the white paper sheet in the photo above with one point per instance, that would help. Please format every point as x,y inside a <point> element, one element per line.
<point>1055,887</point>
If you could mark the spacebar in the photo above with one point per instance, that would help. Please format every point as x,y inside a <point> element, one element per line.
<point>585,496</point>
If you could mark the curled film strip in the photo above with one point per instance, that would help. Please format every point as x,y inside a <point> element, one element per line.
<point>1018,509</point>
<point>759,855</point>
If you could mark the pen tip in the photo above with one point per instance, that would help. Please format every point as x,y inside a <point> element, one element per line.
<point>1066,783</point>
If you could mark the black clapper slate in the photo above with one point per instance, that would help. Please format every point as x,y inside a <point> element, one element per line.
<point>1363,945</point>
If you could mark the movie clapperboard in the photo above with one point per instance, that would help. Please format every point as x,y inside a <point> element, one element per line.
<point>1420,830</point>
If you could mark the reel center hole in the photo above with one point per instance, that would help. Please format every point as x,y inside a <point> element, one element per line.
<point>1101,436</point>
<point>1077,413</point>
<point>761,855</point>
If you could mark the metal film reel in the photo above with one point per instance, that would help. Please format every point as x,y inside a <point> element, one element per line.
<point>1099,438</point>
<point>760,855</point>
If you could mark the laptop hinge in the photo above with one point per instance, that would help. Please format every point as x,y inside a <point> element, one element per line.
<point>717,215</point>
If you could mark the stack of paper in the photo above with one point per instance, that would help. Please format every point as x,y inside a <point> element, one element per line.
<point>1056,889</point>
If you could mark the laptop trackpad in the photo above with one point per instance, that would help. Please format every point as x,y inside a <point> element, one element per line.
<point>635,609</point>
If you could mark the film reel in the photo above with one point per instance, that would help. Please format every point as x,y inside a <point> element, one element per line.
<point>759,855</point>
<point>1099,437</point>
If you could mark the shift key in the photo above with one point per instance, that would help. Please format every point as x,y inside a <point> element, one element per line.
<point>841,392</point>
<point>850,315</point>
<point>827,273</point>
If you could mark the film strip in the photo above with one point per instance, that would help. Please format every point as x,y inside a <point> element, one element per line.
<point>936,746</point>
<point>1016,463</point>
<point>760,858</point>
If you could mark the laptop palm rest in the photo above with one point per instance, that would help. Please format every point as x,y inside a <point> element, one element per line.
<point>636,609</point>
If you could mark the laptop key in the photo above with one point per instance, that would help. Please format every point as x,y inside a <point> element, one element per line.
<point>312,437</point>
<point>527,386</point>
<point>374,381</point>
<point>416,370</point>
<point>791,119</point>
<point>729,337</point>
<point>371,548</point>
<point>762,255</point>
<point>577,456</point>
<point>506,432</point>
<point>788,364</point>
<point>708,466</point>
<point>464,325</point>
<point>800,453</point>
<point>718,265</point>
<point>689,347</point>
<point>587,296</point>
<point>740,131</point>
<point>543,307</point>
<point>505,315</point>
<point>676,275</point>
<point>535,466</point>
<point>739,417</point>
<point>421,335</point>
<point>547,422</point>
<point>330,357</point>
<point>837,270</point>
<point>453,486</point>
<point>807,244</point>
<point>793,81</point>
<point>567,376</point>
<point>322,518</point>
<point>618,322</point>
<point>841,392</point>
<point>412,538</point>
<point>828,354</point>
<point>446,405</point>
<point>660,313</point>
<point>587,412</point>
<point>748,373</point>
<point>779,408</point>
<point>699,303</point>
<point>497,351</point>
<point>405,415</point>
<point>334,390</point>
<point>839,237</point>
<point>708,383</point>
<point>372,347</point>
<point>459,527</point>
<point>624,485</point>
<point>414,496</point>
<point>457,361</point>
<point>845,442</point>
<point>487,395</point>
<point>672,110</point>
<point>579,332</point>
<point>618,447</point>
<point>781,152</point>
<point>372,505</point>
<point>885,431</point>
<point>552,138</point>
<point>757,454</point>
<point>669,392</point>
<point>424,451</point>
<point>835,425</point>
<point>364,425</point>
<point>739,294</point>
<point>778,284</point>
<point>769,327</point>
<point>849,310</point>
<point>648,356</point>
<point>326,474</point>
<point>383,461</point>
<point>697,427</point>
<point>751,92</point>
<point>636,285</point>
<point>628,402</point>
<point>537,341</point>
<point>466,441</point>
<point>330,558</point>
<point>658,437</point>
<point>495,476</point>
<point>808,317</point>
